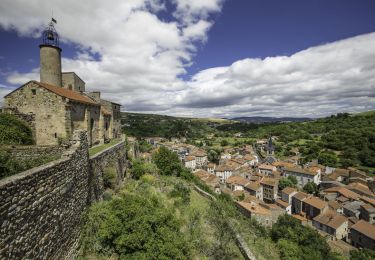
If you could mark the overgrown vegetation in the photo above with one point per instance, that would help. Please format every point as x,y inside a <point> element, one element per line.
<point>10,166</point>
<point>14,131</point>
<point>296,241</point>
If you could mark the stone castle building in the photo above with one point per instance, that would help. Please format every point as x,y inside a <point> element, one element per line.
<point>59,103</point>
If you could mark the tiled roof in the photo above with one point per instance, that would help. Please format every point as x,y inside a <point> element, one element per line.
<point>283,164</point>
<point>189,158</point>
<point>288,190</point>
<point>315,202</point>
<point>300,195</point>
<point>222,168</point>
<point>299,170</point>
<point>343,191</point>
<point>368,200</point>
<point>266,167</point>
<point>365,228</point>
<point>254,208</point>
<point>63,92</point>
<point>269,181</point>
<point>198,153</point>
<point>282,203</point>
<point>252,185</point>
<point>210,165</point>
<point>356,186</point>
<point>332,220</point>
<point>334,205</point>
<point>237,180</point>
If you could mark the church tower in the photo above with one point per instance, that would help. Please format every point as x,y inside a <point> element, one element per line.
<point>50,57</point>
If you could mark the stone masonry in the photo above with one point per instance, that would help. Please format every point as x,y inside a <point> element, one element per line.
<point>41,209</point>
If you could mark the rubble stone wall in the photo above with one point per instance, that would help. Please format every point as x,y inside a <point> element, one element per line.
<point>41,209</point>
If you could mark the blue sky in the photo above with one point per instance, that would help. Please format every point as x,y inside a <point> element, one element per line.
<point>204,58</point>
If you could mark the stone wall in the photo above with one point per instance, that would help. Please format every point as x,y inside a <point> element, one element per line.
<point>41,209</point>
<point>30,152</point>
<point>116,156</point>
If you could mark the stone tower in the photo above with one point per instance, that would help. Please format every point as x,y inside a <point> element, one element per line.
<point>50,57</point>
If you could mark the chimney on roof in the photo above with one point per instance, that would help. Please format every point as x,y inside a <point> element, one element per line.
<point>50,57</point>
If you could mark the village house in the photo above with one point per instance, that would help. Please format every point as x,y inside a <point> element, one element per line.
<point>264,214</point>
<point>297,200</point>
<point>254,189</point>
<point>236,183</point>
<point>287,194</point>
<point>335,207</point>
<point>200,158</point>
<point>284,205</point>
<point>303,176</point>
<point>332,223</point>
<point>362,235</point>
<point>351,208</point>
<point>367,212</point>
<point>313,207</point>
<point>361,189</point>
<point>59,103</point>
<point>211,168</point>
<point>334,192</point>
<point>223,172</point>
<point>190,162</point>
<point>210,180</point>
<point>270,187</point>
<point>251,159</point>
<point>266,169</point>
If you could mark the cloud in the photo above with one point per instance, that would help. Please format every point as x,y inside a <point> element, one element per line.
<point>142,58</point>
<point>317,81</point>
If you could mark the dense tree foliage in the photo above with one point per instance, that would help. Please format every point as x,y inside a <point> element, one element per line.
<point>14,131</point>
<point>167,162</point>
<point>140,168</point>
<point>289,181</point>
<point>362,254</point>
<point>296,241</point>
<point>133,226</point>
<point>311,188</point>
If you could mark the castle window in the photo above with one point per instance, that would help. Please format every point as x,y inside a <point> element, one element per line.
<point>33,91</point>
<point>55,135</point>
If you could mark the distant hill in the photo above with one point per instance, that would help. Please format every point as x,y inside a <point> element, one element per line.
<point>262,119</point>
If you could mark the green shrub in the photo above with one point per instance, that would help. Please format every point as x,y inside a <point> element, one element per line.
<point>14,131</point>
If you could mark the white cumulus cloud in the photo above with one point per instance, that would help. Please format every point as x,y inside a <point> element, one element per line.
<point>142,57</point>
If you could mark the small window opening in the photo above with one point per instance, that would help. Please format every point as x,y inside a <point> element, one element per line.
<point>33,91</point>
<point>55,135</point>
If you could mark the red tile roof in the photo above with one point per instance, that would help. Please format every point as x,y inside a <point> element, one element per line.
<point>315,202</point>
<point>63,92</point>
<point>365,228</point>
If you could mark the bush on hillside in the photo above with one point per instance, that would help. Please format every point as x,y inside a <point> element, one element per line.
<point>14,131</point>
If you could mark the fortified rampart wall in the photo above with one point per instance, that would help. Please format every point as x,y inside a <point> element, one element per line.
<point>41,209</point>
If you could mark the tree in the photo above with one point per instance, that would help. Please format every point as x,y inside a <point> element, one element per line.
<point>134,227</point>
<point>167,162</point>
<point>329,159</point>
<point>139,169</point>
<point>213,156</point>
<point>311,244</point>
<point>289,181</point>
<point>288,249</point>
<point>224,142</point>
<point>311,188</point>
<point>362,254</point>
